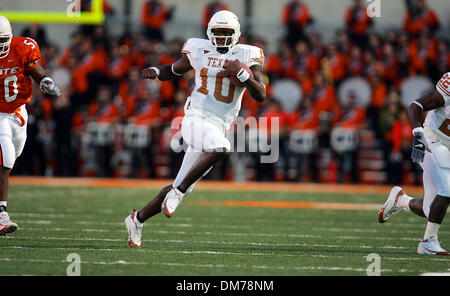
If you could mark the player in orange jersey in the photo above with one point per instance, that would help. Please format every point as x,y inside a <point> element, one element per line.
<point>19,64</point>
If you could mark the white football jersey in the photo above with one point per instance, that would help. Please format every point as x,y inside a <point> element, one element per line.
<point>438,120</point>
<point>214,95</point>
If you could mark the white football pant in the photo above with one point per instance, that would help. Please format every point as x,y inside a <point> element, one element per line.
<point>202,135</point>
<point>436,173</point>
<point>13,134</point>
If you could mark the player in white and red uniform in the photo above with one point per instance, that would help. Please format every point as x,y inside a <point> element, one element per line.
<point>19,64</point>
<point>431,149</point>
<point>209,111</point>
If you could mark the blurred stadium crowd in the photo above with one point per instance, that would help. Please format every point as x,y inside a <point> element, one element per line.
<point>110,122</point>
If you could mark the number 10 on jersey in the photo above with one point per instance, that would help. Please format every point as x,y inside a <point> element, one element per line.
<point>218,86</point>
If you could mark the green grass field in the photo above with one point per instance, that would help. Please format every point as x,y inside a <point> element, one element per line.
<point>208,240</point>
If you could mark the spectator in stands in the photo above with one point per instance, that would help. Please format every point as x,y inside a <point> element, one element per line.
<point>389,63</point>
<point>144,113</point>
<point>403,56</point>
<point>64,148</point>
<point>357,23</point>
<point>372,66</point>
<point>423,55</point>
<point>49,58</point>
<point>374,45</point>
<point>379,92</point>
<point>154,14</point>
<point>305,60</point>
<point>89,69</point>
<point>402,139</point>
<point>128,91</point>
<point>316,45</point>
<point>355,63</point>
<point>443,59</point>
<point>420,17</point>
<point>387,116</point>
<point>210,9</point>
<point>38,33</point>
<point>174,127</point>
<point>306,118</point>
<point>281,64</point>
<point>274,110</point>
<point>354,118</point>
<point>119,62</point>
<point>145,108</point>
<point>325,102</point>
<point>353,115</point>
<point>296,18</point>
<point>344,43</point>
<point>337,64</point>
<point>103,111</point>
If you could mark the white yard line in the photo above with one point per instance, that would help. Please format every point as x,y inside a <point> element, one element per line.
<point>213,242</point>
<point>190,219</point>
<point>121,262</point>
<point>188,252</point>
<point>243,234</point>
<point>208,226</point>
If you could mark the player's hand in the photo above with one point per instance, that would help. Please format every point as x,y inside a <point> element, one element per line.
<point>232,67</point>
<point>419,146</point>
<point>149,73</point>
<point>48,87</point>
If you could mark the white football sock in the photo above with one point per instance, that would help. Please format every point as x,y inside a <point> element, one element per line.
<point>3,203</point>
<point>431,230</point>
<point>403,201</point>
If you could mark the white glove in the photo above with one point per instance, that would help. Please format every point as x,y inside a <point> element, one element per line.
<point>48,87</point>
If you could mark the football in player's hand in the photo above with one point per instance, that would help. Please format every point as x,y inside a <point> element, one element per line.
<point>236,81</point>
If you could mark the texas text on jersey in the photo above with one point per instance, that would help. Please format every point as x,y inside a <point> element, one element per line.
<point>213,91</point>
<point>15,84</point>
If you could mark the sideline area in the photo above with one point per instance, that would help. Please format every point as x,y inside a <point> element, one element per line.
<point>213,185</point>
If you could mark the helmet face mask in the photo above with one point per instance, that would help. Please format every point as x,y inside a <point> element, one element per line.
<point>5,36</point>
<point>224,31</point>
<point>222,39</point>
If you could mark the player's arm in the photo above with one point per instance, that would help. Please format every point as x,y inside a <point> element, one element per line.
<point>45,82</point>
<point>170,71</point>
<point>255,86</point>
<point>426,103</point>
<point>416,114</point>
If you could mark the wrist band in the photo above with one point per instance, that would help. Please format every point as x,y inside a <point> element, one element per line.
<point>418,104</point>
<point>171,67</point>
<point>243,75</point>
<point>156,70</point>
<point>418,130</point>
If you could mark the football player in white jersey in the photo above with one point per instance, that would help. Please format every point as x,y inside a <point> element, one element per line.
<point>431,149</point>
<point>210,109</point>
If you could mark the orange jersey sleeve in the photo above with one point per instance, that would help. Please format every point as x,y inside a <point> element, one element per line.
<point>15,83</point>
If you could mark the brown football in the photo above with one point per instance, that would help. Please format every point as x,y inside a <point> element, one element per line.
<point>236,81</point>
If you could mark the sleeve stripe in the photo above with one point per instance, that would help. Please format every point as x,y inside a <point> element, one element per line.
<point>443,89</point>
<point>185,51</point>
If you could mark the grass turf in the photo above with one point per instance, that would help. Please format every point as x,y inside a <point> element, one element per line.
<point>215,240</point>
